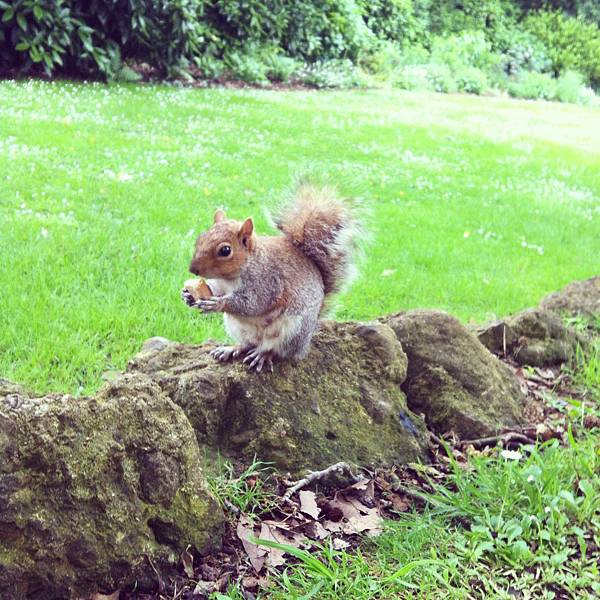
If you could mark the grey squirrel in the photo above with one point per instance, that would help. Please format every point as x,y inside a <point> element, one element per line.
<point>272,289</point>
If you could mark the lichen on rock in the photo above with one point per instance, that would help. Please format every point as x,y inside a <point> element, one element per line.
<point>343,402</point>
<point>93,489</point>
<point>456,382</point>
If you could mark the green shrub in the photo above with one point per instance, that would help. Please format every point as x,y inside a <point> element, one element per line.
<point>467,49</point>
<point>280,68</point>
<point>247,67</point>
<point>572,44</point>
<point>95,37</point>
<point>393,20</point>
<point>414,77</point>
<point>570,87</point>
<point>487,16</point>
<point>521,51</point>
<point>471,80</point>
<point>325,29</point>
<point>333,73</point>
<point>442,78</point>
<point>533,86</point>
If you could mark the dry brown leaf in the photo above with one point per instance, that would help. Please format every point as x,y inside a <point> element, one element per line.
<point>333,526</point>
<point>205,587</point>
<point>308,504</point>
<point>361,523</point>
<point>316,531</point>
<point>275,555</point>
<point>347,508</point>
<point>255,553</point>
<point>340,544</point>
<point>188,562</point>
<point>399,504</point>
<point>359,506</point>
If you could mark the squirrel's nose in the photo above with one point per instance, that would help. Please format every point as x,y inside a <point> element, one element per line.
<point>194,269</point>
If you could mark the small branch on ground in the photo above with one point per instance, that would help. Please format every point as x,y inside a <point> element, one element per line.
<point>340,467</point>
<point>232,508</point>
<point>505,438</point>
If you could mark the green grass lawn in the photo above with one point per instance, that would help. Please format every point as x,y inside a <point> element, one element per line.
<point>478,206</point>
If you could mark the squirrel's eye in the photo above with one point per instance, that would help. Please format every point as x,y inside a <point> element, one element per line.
<point>224,251</point>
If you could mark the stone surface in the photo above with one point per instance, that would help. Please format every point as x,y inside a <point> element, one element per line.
<point>92,489</point>
<point>343,402</point>
<point>456,382</point>
<point>533,337</point>
<point>580,298</point>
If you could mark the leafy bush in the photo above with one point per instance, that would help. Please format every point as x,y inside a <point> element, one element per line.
<point>468,49</point>
<point>325,29</point>
<point>334,73</point>
<point>572,44</point>
<point>96,36</point>
<point>393,20</point>
<point>471,80</point>
<point>247,67</point>
<point>570,87</point>
<point>534,86</point>
<point>521,51</point>
<point>280,68</point>
<point>487,16</point>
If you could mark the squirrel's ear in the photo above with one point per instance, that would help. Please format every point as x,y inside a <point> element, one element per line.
<point>219,216</point>
<point>245,233</point>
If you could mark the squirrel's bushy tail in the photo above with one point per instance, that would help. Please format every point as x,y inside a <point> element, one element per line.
<point>325,229</point>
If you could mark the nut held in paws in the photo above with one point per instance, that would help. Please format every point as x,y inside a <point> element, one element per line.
<point>198,288</point>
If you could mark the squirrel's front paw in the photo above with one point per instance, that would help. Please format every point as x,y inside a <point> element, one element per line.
<point>212,304</point>
<point>187,297</point>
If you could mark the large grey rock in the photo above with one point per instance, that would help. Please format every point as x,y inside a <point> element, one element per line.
<point>93,489</point>
<point>580,298</point>
<point>343,402</point>
<point>456,382</point>
<point>533,337</point>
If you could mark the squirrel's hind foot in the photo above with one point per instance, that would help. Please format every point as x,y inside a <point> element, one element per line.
<point>225,353</point>
<point>259,360</point>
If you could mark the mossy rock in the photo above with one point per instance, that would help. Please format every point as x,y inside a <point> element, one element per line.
<point>93,489</point>
<point>534,337</point>
<point>341,403</point>
<point>456,382</point>
<point>578,299</point>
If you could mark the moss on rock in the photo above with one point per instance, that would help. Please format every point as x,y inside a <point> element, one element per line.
<point>578,299</point>
<point>343,402</point>
<point>533,337</point>
<point>452,378</point>
<point>91,489</point>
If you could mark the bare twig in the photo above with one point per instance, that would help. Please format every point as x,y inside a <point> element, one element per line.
<point>232,508</point>
<point>505,438</point>
<point>339,467</point>
<point>437,440</point>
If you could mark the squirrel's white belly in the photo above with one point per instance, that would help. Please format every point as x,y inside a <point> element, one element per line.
<point>265,332</point>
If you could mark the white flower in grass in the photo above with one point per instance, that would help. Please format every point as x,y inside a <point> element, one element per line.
<point>122,176</point>
<point>511,454</point>
<point>530,479</point>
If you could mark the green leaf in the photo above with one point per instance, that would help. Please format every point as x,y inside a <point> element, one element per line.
<point>22,21</point>
<point>8,14</point>
<point>22,46</point>
<point>38,13</point>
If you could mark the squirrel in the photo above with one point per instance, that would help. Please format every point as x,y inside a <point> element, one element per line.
<point>272,289</point>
